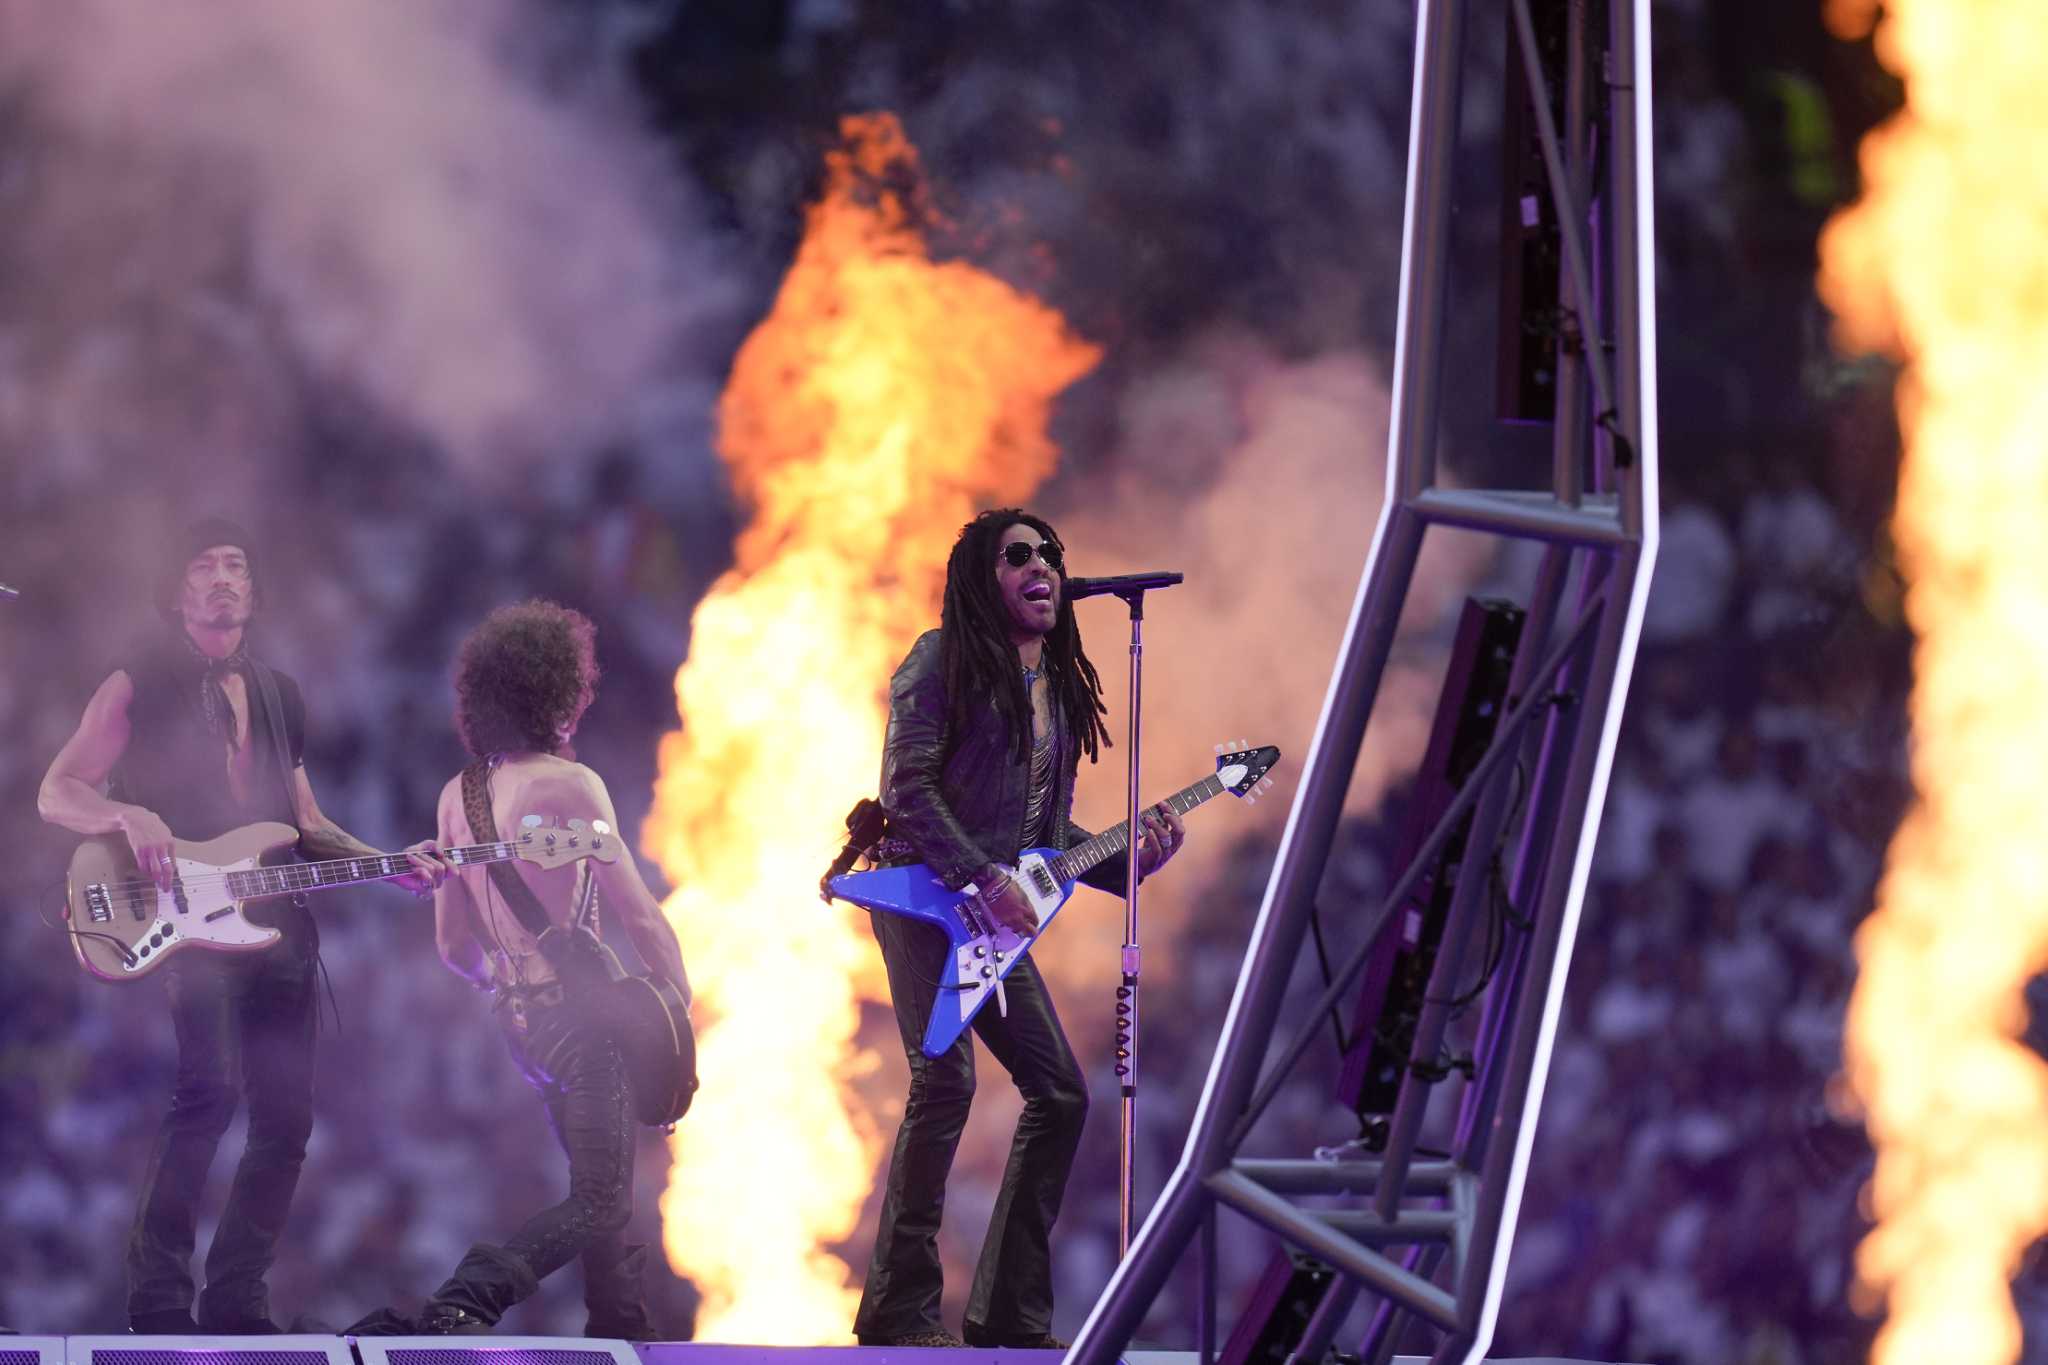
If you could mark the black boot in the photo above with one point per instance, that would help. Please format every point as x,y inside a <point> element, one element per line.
<point>488,1281</point>
<point>167,1322</point>
<point>618,1307</point>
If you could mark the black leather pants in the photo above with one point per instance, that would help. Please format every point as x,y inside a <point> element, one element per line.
<point>245,1026</point>
<point>1011,1299</point>
<point>581,1077</point>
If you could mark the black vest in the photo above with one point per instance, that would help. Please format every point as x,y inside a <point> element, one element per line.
<point>176,766</point>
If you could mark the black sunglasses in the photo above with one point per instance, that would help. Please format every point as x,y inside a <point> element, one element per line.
<point>1018,553</point>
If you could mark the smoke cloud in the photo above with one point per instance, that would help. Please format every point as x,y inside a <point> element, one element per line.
<point>442,217</point>
<point>1260,478</point>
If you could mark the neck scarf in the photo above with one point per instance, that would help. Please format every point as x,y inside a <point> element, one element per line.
<point>213,694</point>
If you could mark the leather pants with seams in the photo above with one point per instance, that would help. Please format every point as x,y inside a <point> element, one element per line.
<point>581,1076</point>
<point>1011,1299</point>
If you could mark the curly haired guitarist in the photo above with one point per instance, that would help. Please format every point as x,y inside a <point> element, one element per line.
<point>523,681</point>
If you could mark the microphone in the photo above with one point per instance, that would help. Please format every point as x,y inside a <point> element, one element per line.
<point>8,593</point>
<point>1078,588</point>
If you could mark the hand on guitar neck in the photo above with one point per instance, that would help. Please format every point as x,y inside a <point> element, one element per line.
<point>323,839</point>
<point>1009,906</point>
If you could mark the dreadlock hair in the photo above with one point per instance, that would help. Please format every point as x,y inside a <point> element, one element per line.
<point>977,657</point>
<point>524,677</point>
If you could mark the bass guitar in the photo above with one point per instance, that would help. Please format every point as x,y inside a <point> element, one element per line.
<point>983,952</point>
<point>124,926</point>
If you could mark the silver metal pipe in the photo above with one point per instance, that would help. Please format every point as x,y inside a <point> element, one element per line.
<point>1383,1333</point>
<point>1596,521</point>
<point>1635,278</point>
<point>1126,1016</point>
<point>1309,1231</point>
<point>1489,819</point>
<point>1550,945</point>
<point>1425,244</point>
<point>1205,1301</point>
<point>1342,1177</point>
<point>1407,1227</point>
<point>1483,772</point>
<point>1544,755</point>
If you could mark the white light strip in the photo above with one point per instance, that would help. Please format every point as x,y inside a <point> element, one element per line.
<point>1645,266</point>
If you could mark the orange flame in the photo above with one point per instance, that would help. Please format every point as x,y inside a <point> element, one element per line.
<point>1944,262</point>
<point>883,401</point>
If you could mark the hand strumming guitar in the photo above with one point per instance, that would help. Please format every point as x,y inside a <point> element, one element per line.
<point>1006,901</point>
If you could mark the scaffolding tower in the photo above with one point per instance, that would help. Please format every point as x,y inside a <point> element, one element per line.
<point>1452,1218</point>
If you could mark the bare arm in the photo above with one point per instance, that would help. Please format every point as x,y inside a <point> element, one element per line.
<point>70,794</point>
<point>320,837</point>
<point>619,884</point>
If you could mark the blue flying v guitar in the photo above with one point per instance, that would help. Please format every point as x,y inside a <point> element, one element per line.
<point>983,952</point>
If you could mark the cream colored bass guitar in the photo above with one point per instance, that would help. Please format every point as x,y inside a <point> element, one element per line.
<point>124,926</point>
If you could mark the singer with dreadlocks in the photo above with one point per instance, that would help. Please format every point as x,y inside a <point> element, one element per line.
<point>191,739</point>
<point>989,716</point>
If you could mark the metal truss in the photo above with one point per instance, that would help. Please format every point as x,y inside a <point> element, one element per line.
<point>1452,1219</point>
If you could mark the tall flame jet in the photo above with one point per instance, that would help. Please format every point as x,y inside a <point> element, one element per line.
<point>886,398</point>
<point>1945,263</point>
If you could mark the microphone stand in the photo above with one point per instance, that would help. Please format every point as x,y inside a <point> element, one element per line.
<point>1131,588</point>
<point>1127,989</point>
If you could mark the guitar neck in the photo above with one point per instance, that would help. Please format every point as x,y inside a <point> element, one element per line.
<point>1070,866</point>
<point>286,878</point>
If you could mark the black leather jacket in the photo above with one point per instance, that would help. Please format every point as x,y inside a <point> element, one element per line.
<point>959,799</point>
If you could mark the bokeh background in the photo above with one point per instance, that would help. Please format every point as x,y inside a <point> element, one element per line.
<point>440,298</point>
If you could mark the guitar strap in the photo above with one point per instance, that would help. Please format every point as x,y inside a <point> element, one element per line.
<point>519,897</point>
<point>273,712</point>
<point>578,956</point>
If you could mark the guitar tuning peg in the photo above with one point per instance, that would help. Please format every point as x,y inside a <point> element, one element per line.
<point>530,821</point>
<point>1244,744</point>
<point>1251,798</point>
<point>1222,749</point>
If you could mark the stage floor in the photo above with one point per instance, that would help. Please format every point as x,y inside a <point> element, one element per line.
<point>508,1350</point>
